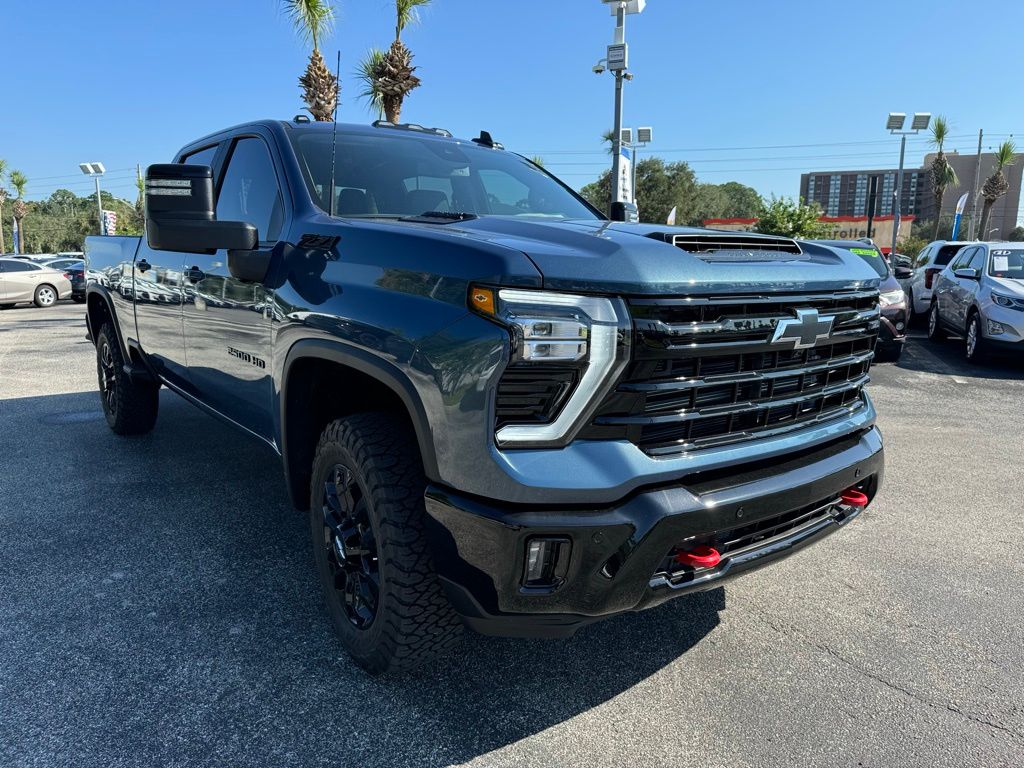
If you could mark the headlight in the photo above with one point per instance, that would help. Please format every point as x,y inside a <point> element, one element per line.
<point>1007,301</point>
<point>588,332</point>
<point>892,298</point>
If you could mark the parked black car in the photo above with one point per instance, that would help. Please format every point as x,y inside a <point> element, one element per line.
<point>892,299</point>
<point>75,272</point>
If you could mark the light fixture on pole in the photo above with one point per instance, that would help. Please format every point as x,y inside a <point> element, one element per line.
<point>644,136</point>
<point>894,124</point>
<point>618,64</point>
<point>95,170</point>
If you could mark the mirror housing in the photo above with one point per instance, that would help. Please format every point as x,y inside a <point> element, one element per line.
<point>625,212</point>
<point>966,273</point>
<point>903,273</point>
<point>249,266</point>
<point>181,215</point>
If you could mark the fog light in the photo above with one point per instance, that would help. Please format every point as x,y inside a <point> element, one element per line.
<point>900,326</point>
<point>994,328</point>
<point>547,560</point>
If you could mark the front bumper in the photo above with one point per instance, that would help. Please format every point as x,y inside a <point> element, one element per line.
<point>893,326</point>
<point>618,554</point>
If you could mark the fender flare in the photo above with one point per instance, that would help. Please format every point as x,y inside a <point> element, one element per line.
<point>364,362</point>
<point>98,290</point>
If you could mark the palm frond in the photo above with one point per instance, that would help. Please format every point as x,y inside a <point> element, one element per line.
<point>1006,155</point>
<point>947,177</point>
<point>311,18</point>
<point>19,181</point>
<point>3,169</point>
<point>940,132</point>
<point>406,14</point>
<point>368,74</point>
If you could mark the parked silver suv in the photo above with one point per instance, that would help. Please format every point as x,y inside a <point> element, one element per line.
<point>980,295</point>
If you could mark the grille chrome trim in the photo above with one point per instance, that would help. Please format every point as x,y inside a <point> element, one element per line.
<point>706,373</point>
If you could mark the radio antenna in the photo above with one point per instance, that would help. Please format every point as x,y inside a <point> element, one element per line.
<point>334,133</point>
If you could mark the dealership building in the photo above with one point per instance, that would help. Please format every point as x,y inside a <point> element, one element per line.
<point>840,227</point>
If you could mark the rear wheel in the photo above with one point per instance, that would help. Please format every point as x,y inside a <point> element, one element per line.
<point>130,405</point>
<point>974,341</point>
<point>45,296</point>
<point>935,330</point>
<point>367,522</point>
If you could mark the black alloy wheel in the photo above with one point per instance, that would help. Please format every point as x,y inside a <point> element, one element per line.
<point>351,547</point>
<point>107,376</point>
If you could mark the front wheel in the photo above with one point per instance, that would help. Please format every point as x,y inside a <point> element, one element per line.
<point>974,341</point>
<point>367,519</point>
<point>935,330</point>
<point>45,296</point>
<point>129,405</point>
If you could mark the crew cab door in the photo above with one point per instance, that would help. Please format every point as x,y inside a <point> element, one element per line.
<point>157,286</point>
<point>227,320</point>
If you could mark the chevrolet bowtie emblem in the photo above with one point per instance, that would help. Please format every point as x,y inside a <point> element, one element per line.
<point>804,330</point>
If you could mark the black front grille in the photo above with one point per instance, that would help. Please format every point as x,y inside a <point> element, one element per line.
<point>533,393</point>
<point>706,372</point>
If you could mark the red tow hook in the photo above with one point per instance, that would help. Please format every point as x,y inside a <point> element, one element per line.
<point>851,497</point>
<point>700,557</point>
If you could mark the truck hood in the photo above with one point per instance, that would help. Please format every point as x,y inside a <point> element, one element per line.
<point>612,257</point>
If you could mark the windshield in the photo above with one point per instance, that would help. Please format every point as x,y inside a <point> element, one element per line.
<point>394,175</point>
<point>1007,262</point>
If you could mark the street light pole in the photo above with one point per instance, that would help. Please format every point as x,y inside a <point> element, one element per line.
<point>895,126</point>
<point>620,39</point>
<point>95,170</point>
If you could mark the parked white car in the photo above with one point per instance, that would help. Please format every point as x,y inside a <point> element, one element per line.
<point>22,281</point>
<point>932,259</point>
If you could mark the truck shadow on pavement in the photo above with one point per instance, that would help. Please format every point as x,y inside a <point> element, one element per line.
<point>160,595</point>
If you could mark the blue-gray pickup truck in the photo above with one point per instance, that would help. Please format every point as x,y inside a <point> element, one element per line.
<point>500,409</point>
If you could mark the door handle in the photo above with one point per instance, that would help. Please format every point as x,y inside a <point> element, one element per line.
<point>143,266</point>
<point>194,274</point>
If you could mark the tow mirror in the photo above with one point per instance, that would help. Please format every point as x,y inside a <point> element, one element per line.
<point>181,216</point>
<point>966,274</point>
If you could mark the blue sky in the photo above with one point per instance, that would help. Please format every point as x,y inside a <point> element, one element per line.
<point>743,90</point>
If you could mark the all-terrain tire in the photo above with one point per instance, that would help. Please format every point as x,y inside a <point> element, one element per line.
<point>371,464</point>
<point>130,405</point>
<point>45,296</point>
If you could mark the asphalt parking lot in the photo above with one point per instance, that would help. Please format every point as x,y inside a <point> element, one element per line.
<point>158,607</point>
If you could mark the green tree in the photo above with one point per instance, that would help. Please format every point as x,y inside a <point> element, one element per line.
<point>788,218</point>
<point>3,199</point>
<point>389,77</point>
<point>660,186</point>
<point>313,19</point>
<point>943,175</point>
<point>741,201</point>
<point>1016,235</point>
<point>995,186</point>
<point>19,181</point>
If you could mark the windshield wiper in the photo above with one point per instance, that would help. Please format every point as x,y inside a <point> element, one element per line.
<point>440,217</point>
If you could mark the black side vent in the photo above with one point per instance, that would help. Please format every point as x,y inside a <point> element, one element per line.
<point>726,242</point>
<point>533,393</point>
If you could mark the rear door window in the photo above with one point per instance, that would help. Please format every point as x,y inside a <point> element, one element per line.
<point>946,254</point>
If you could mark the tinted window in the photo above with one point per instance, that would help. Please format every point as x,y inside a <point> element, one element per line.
<point>202,157</point>
<point>946,254</point>
<point>391,173</point>
<point>20,266</point>
<point>249,191</point>
<point>963,258</point>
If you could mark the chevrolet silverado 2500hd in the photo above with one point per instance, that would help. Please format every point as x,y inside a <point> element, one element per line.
<point>500,409</point>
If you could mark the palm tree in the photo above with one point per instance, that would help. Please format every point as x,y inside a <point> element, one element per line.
<point>369,69</point>
<point>3,199</point>
<point>313,19</point>
<point>943,175</point>
<point>390,77</point>
<point>19,181</point>
<point>996,185</point>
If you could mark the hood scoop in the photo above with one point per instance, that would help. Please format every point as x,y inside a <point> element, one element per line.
<point>739,248</point>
